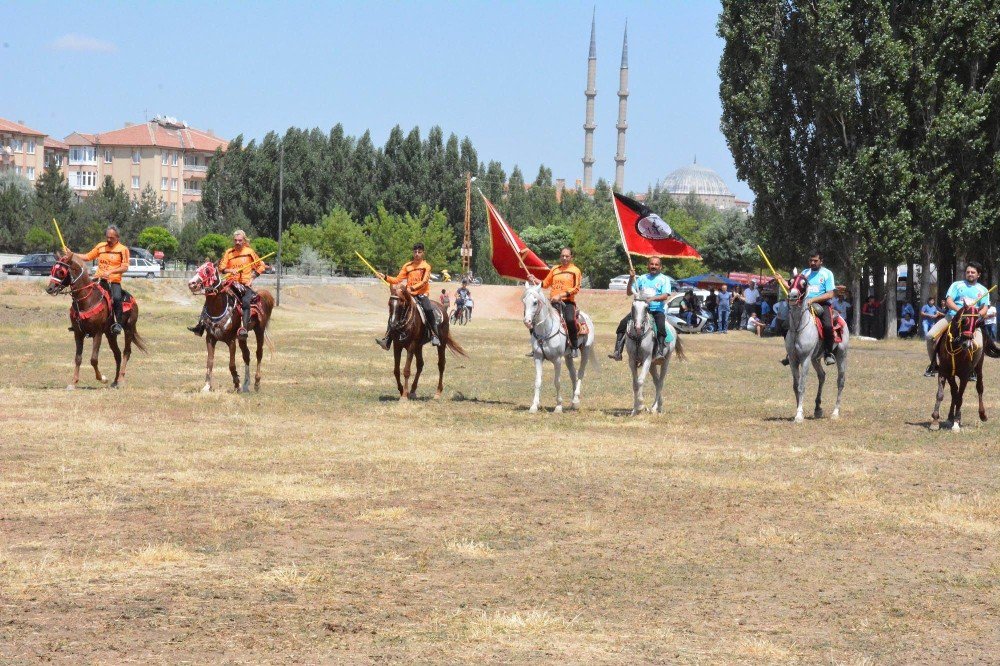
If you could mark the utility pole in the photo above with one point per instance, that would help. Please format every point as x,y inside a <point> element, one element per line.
<point>467,242</point>
<point>281,202</point>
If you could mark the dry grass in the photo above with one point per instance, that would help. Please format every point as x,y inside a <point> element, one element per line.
<point>321,521</point>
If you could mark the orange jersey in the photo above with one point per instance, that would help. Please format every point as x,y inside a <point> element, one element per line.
<point>564,281</point>
<point>236,259</point>
<point>108,259</point>
<point>417,276</point>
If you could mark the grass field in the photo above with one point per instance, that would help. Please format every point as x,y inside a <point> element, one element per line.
<point>320,521</point>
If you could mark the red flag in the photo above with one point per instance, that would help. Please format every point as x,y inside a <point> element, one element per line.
<point>507,245</point>
<point>645,233</point>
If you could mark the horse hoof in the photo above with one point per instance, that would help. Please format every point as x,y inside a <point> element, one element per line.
<point>557,410</point>
<point>437,396</point>
<point>413,395</point>
<point>533,409</point>
<point>835,415</point>
<point>404,398</point>
<point>104,380</point>
<point>935,426</point>
<point>256,388</point>
<point>982,416</point>
<point>114,385</point>
<point>818,414</point>
<point>70,387</point>
<point>955,427</point>
<point>207,388</point>
<point>799,418</point>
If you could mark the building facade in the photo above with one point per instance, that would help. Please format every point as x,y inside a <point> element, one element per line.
<point>21,150</point>
<point>705,184</point>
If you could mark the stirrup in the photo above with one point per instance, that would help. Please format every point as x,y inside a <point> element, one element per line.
<point>198,329</point>
<point>242,334</point>
<point>829,358</point>
<point>615,356</point>
<point>784,361</point>
<point>575,353</point>
<point>116,328</point>
<point>435,341</point>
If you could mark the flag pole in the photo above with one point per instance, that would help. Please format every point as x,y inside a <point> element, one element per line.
<point>621,232</point>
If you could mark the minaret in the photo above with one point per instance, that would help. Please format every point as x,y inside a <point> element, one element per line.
<point>589,126</point>
<point>622,110</point>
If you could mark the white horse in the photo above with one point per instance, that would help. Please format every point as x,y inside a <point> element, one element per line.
<point>640,343</point>
<point>803,345</point>
<point>549,343</point>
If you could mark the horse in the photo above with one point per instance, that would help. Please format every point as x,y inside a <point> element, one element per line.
<point>958,354</point>
<point>803,345</point>
<point>408,331</point>
<point>549,342</point>
<point>640,343</point>
<point>223,324</point>
<point>91,315</point>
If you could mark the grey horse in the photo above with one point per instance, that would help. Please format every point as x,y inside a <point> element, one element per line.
<point>803,345</point>
<point>549,343</point>
<point>640,341</point>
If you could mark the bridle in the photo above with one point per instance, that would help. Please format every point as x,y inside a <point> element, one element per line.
<point>66,281</point>
<point>639,328</point>
<point>536,315</point>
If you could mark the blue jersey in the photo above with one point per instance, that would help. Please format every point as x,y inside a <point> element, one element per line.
<point>974,293</point>
<point>820,282</point>
<point>657,284</point>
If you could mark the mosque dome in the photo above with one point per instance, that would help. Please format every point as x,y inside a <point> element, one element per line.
<point>698,179</point>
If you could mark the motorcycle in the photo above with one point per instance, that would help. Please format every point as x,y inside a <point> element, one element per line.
<point>698,325</point>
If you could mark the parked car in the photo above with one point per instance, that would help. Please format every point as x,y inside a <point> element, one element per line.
<point>140,267</point>
<point>141,253</point>
<point>32,264</point>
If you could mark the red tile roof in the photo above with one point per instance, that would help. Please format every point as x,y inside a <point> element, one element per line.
<point>155,134</point>
<point>55,144</point>
<point>17,128</point>
<point>81,139</point>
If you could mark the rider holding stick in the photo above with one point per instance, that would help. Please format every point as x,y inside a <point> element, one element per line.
<point>960,293</point>
<point>417,276</point>
<point>112,262</point>
<point>821,290</point>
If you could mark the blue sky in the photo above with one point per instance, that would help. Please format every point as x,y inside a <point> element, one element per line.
<point>509,75</point>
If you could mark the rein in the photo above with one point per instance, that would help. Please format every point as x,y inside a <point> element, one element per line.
<point>640,329</point>
<point>539,312</point>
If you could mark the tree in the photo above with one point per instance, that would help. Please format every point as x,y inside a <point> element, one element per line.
<point>53,198</point>
<point>148,210</point>
<point>339,237</point>
<point>548,241</point>
<point>212,246</point>
<point>16,210</point>
<point>39,240</point>
<point>158,239</point>
<point>263,245</point>
<point>728,244</point>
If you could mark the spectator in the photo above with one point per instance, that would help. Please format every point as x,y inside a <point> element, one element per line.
<point>780,323</point>
<point>725,299</point>
<point>907,326</point>
<point>869,317</point>
<point>751,296</point>
<point>689,306</point>
<point>712,305</point>
<point>990,323</point>
<point>840,306</point>
<point>765,310</point>
<point>445,300</point>
<point>755,324</point>
<point>908,308</point>
<point>929,314</point>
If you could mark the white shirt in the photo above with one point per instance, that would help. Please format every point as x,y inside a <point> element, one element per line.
<point>750,296</point>
<point>991,315</point>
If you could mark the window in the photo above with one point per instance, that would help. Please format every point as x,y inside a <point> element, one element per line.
<point>17,145</point>
<point>164,159</point>
<point>17,171</point>
<point>31,173</point>
<point>173,208</point>
<point>83,155</point>
<point>135,182</point>
<point>173,184</point>
<point>136,156</point>
<point>191,160</point>
<point>84,180</point>
<point>163,183</point>
<point>173,159</point>
<point>31,146</point>
<point>107,156</point>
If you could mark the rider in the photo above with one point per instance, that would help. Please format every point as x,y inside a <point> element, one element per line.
<point>463,298</point>
<point>563,283</point>
<point>821,290</point>
<point>112,261</point>
<point>960,293</point>
<point>235,261</point>
<point>417,275</point>
<point>658,283</point>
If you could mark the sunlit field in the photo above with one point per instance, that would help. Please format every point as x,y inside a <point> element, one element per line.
<point>320,520</point>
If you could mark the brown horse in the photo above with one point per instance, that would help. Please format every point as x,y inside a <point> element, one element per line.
<point>407,331</point>
<point>223,323</point>
<point>960,351</point>
<point>91,315</point>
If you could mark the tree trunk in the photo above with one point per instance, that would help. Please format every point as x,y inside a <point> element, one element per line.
<point>878,273</point>
<point>925,273</point>
<point>892,280</point>
<point>855,323</point>
<point>911,277</point>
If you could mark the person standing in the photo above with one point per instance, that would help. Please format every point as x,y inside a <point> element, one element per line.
<point>990,323</point>
<point>725,299</point>
<point>563,283</point>
<point>929,314</point>
<point>751,297</point>
<point>112,262</point>
<point>445,300</point>
<point>657,286</point>
<point>869,315</point>
<point>712,306</point>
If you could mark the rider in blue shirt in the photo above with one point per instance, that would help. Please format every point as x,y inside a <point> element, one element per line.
<point>961,293</point>
<point>657,283</point>
<point>820,291</point>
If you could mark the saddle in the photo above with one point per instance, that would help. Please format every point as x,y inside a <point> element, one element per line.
<point>582,328</point>
<point>127,302</point>
<point>839,326</point>
<point>256,311</point>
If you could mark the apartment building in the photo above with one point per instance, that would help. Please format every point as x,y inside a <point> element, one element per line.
<point>163,153</point>
<point>21,150</point>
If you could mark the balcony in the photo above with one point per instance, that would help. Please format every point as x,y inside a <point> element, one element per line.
<point>192,192</point>
<point>196,168</point>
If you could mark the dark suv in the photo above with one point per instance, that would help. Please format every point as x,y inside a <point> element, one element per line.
<point>32,264</point>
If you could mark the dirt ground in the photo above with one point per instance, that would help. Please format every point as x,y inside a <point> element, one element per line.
<point>321,521</point>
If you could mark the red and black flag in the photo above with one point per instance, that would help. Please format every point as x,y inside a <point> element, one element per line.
<point>645,233</point>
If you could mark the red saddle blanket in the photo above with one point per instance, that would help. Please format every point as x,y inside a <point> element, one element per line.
<point>256,311</point>
<point>581,325</point>
<point>839,325</point>
<point>127,302</point>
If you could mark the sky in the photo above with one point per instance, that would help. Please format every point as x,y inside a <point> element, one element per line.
<point>509,75</point>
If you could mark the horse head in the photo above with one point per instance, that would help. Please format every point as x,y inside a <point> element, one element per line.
<point>640,309</point>
<point>964,324</point>
<point>400,301</point>
<point>206,279</point>
<point>533,301</point>
<point>797,290</point>
<point>64,273</point>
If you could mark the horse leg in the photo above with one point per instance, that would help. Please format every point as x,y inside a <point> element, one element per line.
<point>585,352</point>
<point>957,395</point>
<point>979,389</point>
<point>420,368</point>
<point>658,371</point>
<point>405,395</point>
<point>117,352</point>
<point>573,381</point>
<point>638,379</point>
<point>441,364</point>
<point>798,387</point>
<point>820,379</point>
<point>936,415</point>
<point>841,380</point>
<point>245,348</point>
<point>127,351</point>
<point>259,334</point>
<point>557,378</point>
<point>95,350</point>
<point>77,359</point>
<point>538,384</point>
<point>232,365</point>
<point>397,352</point>
<point>209,363</point>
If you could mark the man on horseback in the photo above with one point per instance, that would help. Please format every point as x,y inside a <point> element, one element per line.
<point>237,262</point>
<point>657,283</point>
<point>112,262</point>
<point>821,290</point>
<point>960,293</point>
<point>417,276</point>
<point>563,283</point>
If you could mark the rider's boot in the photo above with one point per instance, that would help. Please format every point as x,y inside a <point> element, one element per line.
<point>386,340</point>
<point>930,371</point>
<point>198,329</point>
<point>828,356</point>
<point>784,361</point>
<point>619,348</point>
<point>660,351</point>
<point>243,332</point>
<point>434,335</point>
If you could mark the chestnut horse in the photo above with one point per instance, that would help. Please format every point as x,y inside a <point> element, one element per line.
<point>223,324</point>
<point>407,331</point>
<point>959,353</point>
<point>93,317</point>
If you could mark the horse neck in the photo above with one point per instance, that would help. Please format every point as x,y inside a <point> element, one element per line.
<point>216,303</point>
<point>412,324</point>
<point>84,289</point>
<point>799,317</point>
<point>544,316</point>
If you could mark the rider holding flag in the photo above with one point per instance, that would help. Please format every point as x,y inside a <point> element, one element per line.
<point>417,276</point>
<point>656,284</point>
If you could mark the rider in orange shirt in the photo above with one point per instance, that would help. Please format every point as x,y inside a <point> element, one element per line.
<point>417,276</point>
<point>236,261</point>
<point>563,283</point>
<point>112,261</point>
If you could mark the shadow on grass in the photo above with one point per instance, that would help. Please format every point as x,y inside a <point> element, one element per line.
<point>395,398</point>
<point>786,419</point>
<point>459,397</point>
<point>617,411</point>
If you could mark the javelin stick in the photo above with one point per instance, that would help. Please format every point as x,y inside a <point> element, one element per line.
<point>59,232</point>
<point>776,275</point>
<point>370,267</point>
<point>621,231</point>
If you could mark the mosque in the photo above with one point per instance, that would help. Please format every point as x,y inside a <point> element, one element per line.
<point>695,179</point>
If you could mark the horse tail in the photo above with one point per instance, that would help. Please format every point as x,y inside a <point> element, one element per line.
<point>267,301</point>
<point>989,346</point>
<point>679,347</point>
<point>136,338</point>
<point>453,345</point>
